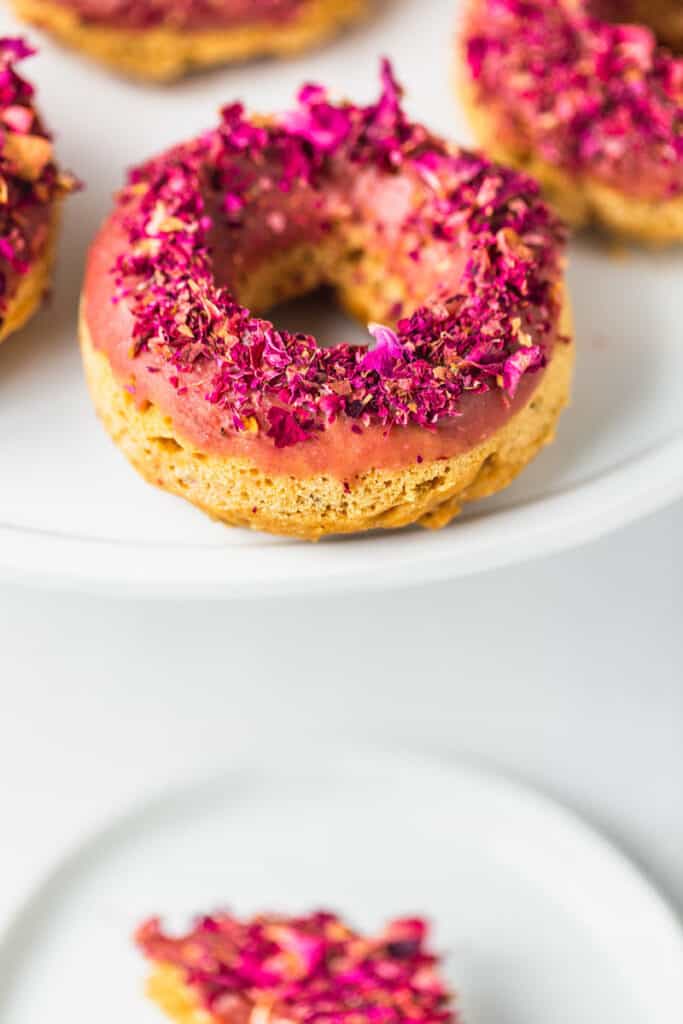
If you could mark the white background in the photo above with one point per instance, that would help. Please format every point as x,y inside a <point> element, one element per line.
<point>567,672</point>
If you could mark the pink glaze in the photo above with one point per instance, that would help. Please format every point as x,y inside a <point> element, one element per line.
<point>193,14</point>
<point>305,970</point>
<point>479,324</point>
<point>590,95</point>
<point>339,450</point>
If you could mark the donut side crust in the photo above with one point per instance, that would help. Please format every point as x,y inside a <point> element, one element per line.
<point>237,492</point>
<point>163,53</point>
<point>167,988</point>
<point>32,285</point>
<point>581,201</point>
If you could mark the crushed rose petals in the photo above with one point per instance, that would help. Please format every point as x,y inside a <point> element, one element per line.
<point>308,970</point>
<point>587,92</point>
<point>286,386</point>
<point>29,178</point>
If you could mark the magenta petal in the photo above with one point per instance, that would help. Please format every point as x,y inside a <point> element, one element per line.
<point>516,365</point>
<point>386,351</point>
<point>14,48</point>
<point>285,429</point>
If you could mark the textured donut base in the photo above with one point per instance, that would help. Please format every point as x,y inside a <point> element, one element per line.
<point>167,988</point>
<point>236,491</point>
<point>33,285</point>
<point>580,200</point>
<point>164,53</point>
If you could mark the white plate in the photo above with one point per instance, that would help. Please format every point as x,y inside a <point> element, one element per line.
<point>73,513</point>
<point>540,920</point>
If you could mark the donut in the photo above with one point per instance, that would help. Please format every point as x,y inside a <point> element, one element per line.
<point>454,262</point>
<point>590,106</point>
<point>305,970</point>
<point>161,40</point>
<point>31,189</point>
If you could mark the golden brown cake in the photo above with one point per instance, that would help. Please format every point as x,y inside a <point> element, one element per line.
<point>455,263</point>
<point>161,40</point>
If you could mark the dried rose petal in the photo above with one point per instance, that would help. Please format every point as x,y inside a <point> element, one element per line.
<point>18,118</point>
<point>516,365</point>
<point>387,349</point>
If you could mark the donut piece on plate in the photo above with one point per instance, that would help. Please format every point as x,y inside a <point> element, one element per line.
<point>455,264</point>
<point>31,190</point>
<point>161,40</point>
<point>305,970</point>
<point>590,105</point>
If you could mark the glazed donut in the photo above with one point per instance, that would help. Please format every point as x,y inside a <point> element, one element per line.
<point>591,107</point>
<point>302,970</point>
<point>161,40</point>
<point>31,189</point>
<point>456,261</point>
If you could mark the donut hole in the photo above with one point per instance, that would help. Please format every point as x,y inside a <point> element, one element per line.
<point>308,259</point>
<point>319,313</point>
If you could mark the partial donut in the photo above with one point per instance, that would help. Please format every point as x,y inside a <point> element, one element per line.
<point>161,40</point>
<point>31,190</point>
<point>590,106</point>
<point>311,969</point>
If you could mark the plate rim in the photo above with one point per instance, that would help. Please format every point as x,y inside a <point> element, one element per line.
<point>563,517</point>
<point>587,838</point>
<point>527,530</point>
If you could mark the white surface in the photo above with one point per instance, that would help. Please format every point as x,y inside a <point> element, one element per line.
<point>86,519</point>
<point>566,673</point>
<point>540,919</point>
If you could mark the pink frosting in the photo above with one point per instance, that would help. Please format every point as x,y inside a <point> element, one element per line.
<point>195,14</point>
<point>471,343</point>
<point>590,95</point>
<point>339,450</point>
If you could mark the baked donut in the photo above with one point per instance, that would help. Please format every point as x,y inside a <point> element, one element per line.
<point>31,188</point>
<point>305,970</point>
<point>455,262</point>
<point>164,39</point>
<point>590,106</point>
